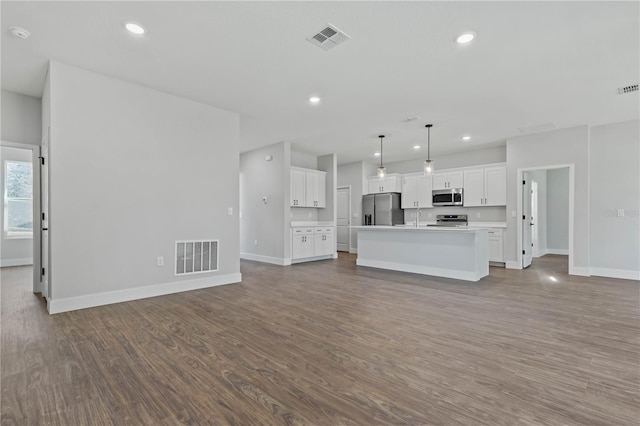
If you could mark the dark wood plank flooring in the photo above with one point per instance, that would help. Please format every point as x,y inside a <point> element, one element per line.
<point>329,343</point>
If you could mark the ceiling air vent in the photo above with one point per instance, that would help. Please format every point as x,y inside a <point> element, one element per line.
<point>328,38</point>
<point>627,89</point>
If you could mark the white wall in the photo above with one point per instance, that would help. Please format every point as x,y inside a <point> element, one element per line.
<point>470,157</point>
<point>329,163</point>
<point>561,147</point>
<point>13,251</point>
<point>264,222</point>
<point>132,170</point>
<point>558,211</point>
<point>615,184</point>
<point>20,118</point>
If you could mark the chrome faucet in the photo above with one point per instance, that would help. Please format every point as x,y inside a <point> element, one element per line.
<point>418,214</point>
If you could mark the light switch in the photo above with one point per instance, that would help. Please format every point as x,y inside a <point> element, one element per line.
<point>356,215</point>
<point>620,212</point>
<point>230,211</point>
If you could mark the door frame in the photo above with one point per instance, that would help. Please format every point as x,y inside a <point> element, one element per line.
<point>348,187</point>
<point>520,176</point>
<point>37,242</point>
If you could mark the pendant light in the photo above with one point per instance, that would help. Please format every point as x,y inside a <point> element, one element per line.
<point>428,163</point>
<point>381,169</point>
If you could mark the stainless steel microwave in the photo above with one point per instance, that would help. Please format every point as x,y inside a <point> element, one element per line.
<point>447,197</point>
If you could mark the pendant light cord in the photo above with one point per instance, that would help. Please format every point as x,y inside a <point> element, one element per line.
<point>381,136</point>
<point>428,126</point>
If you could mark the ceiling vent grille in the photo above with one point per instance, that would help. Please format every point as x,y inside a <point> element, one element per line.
<point>627,89</point>
<point>328,38</point>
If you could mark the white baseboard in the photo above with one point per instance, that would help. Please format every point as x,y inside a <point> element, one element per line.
<point>56,306</point>
<point>616,273</point>
<point>579,270</point>
<point>557,251</point>
<point>513,264</point>
<point>16,262</point>
<point>265,259</point>
<point>314,258</point>
<point>353,250</point>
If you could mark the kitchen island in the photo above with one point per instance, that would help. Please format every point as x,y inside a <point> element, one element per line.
<point>453,252</point>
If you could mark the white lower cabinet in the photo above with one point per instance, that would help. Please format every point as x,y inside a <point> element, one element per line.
<point>496,245</point>
<point>312,242</point>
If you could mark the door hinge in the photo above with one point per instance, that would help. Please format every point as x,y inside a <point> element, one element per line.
<point>522,251</point>
<point>531,244</point>
<point>43,272</point>
<point>524,182</point>
<point>43,216</point>
<point>524,217</point>
<point>41,160</point>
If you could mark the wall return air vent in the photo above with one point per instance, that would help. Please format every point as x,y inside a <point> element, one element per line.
<point>328,38</point>
<point>195,257</point>
<point>627,89</point>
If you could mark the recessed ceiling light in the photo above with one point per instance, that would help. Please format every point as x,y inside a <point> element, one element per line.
<point>134,28</point>
<point>377,154</point>
<point>314,99</point>
<point>466,138</point>
<point>465,38</point>
<point>19,32</point>
<point>416,147</point>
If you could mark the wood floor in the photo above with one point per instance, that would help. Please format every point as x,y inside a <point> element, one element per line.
<point>329,343</point>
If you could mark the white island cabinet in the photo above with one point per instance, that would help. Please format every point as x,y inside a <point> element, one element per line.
<point>460,253</point>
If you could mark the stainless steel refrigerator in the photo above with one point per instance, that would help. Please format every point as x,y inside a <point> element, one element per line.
<point>382,209</point>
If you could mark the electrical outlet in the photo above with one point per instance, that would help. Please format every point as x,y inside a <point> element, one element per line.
<point>160,261</point>
<point>255,243</point>
<point>513,213</point>
<point>230,211</point>
<point>478,215</point>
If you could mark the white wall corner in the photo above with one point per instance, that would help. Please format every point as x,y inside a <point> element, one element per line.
<point>56,306</point>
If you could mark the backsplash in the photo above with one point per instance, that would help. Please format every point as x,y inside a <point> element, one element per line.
<point>487,214</point>
<point>303,214</point>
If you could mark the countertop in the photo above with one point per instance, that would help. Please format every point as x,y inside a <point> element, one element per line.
<point>409,228</point>
<point>311,223</point>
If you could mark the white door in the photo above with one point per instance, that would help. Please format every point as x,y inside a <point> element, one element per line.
<point>526,221</point>
<point>344,202</point>
<point>44,218</point>
<point>535,252</point>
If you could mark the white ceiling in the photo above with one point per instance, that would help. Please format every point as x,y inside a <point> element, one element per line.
<point>532,64</point>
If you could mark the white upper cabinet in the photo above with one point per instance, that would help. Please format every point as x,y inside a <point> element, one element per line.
<point>390,183</point>
<point>315,189</point>
<point>485,187</point>
<point>473,188</point>
<point>495,186</point>
<point>297,188</point>
<point>448,180</point>
<point>416,191</point>
<point>308,188</point>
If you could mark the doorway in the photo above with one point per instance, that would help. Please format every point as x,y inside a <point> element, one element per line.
<point>545,209</point>
<point>343,241</point>
<point>20,208</point>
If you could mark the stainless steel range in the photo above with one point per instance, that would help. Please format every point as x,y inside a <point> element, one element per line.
<point>451,220</point>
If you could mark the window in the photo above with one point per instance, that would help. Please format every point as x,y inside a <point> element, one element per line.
<point>18,199</point>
